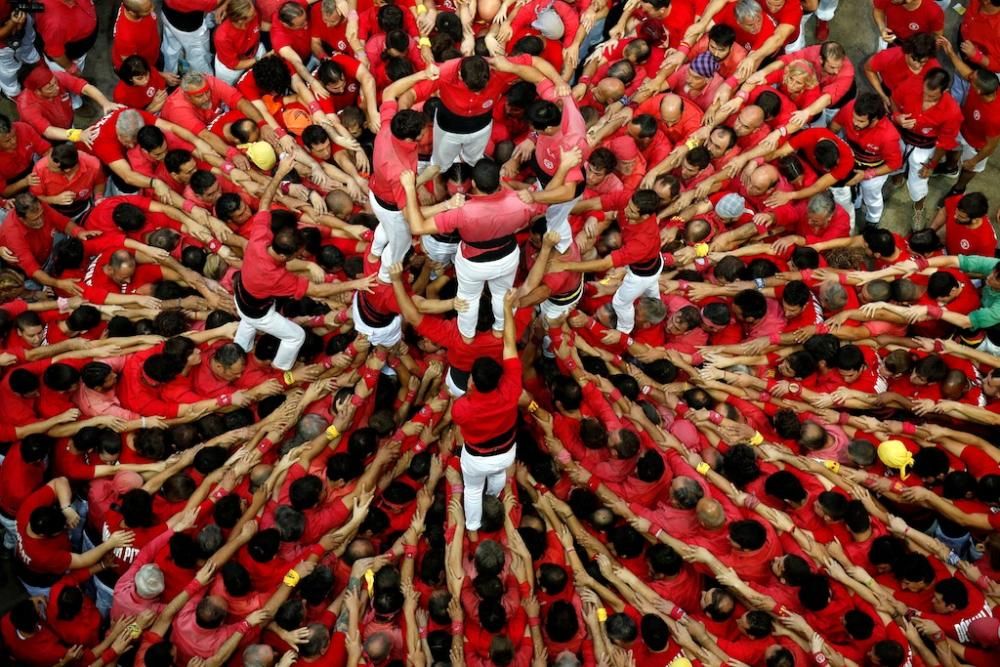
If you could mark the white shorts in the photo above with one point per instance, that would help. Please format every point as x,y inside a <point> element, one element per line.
<point>450,147</point>
<point>439,251</point>
<point>968,152</point>
<point>386,336</point>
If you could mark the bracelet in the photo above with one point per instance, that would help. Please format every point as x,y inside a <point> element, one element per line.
<point>285,188</point>
<point>533,621</point>
<point>615,395</point>
<point>422,632</point>
<point>457,627</point>
<point>224,400</point>
<point>715,417</point>
<point>843,418</point>
<point>214,245</point>
<point>977,57</point>
<point>456,488</point>
<point>187,206</point>
<point>424,42</point>
<point>532,407</point>
<point>281,132</point>
<point>421,10</point>
<point>921,262</point>
<point>331,432</point>
<point>774,339</point>
<point>983,581</point>
<point>703,468</point>
<point>563,456</point>
<point>314,107</point>
<point>751,501</point>
<point>288,378</point>
<point>602,614</point>
<point>701,250</point>
<point>409,550</point>
<point>593,483</point>
<point>677,613</point>
<point>66,507</point>
<point>935,311</point>
<point>232,152</point>
<point>265,445</point>
<point>868,174</point>
<point>227,167</point>
<point>291,578</point>
<point>351,350</point>
<point>909,428</point>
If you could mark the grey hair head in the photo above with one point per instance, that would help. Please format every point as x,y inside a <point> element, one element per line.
<point>747,10</point>
<point>149,582</point>
<point>822,203</point>
<point>128,124</point>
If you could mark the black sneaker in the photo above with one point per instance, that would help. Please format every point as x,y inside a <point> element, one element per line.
<point>947,170</point>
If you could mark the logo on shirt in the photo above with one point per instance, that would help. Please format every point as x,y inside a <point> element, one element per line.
<point>927,130</point>
<point>915,27</point>
<point>487,104</point>
<point>977,115</point>
<point>342,45</point>
<point>964,244</point>
<point>548,164</point>
<point>150,91</point>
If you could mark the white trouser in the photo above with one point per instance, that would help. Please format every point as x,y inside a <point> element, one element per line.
<point>843,197</point>
<point>479,472</point>
<point>472,276</point>
<point>557,220</point>
<point>469,148</point>
<point>968,152</point>
<point>632,288</point>
<point>826,10</point>
<point>392,235</point>
<point>439,251</point>
<point>916,186</point>
<point>12,59</point>
<point>870,198</point>
<point>386,336</point>
<point>289,333</point>
<point>192,46</point>
<point>800,41</point>
<point>231,76</point>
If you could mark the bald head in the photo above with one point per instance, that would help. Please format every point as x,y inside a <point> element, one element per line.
<point>377,646</point>
<point>764,178</point>
<point>609,90</point>
<point>750,118</point>
<point>138,7</point>
<point>710,513</point>
<point>671,108</point>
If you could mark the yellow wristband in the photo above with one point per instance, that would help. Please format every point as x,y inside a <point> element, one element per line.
<point>370,580</point>
<point>701,249</point>
<point>424,41</point>
<point>703,468</point>
<point>421,9</point>
<point>292,578</point>
<point>692,144</point>
<point>756,439</point>
<point>532,407</point>
<point>602,614</point>
<point>289,378</point>
<point>832,466</point>
<point>74,135</point>
<point>332,432</point>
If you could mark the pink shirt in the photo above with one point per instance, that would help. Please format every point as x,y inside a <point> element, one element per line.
<point>126,601</point>
<point>486,218</point>
<point>94,403</point>
<point>192,640</point>
<point>179,109</point>
<point>572,134</point>
<point>392,157</point>
<point>772,322</point>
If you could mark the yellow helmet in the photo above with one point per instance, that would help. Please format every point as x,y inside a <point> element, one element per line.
<point>894,454</point>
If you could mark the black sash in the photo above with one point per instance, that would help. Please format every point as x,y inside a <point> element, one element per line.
<point>494,249</point>
<point>496,445</point>
<point>183,21</point>
<point>648,268</point>
<point>250,305</point>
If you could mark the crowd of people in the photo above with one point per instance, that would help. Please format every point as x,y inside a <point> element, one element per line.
<point>499,332</point>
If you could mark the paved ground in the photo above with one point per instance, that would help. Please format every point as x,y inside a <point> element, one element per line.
<point>853,26</point>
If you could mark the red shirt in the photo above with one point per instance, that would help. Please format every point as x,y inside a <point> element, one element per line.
<point>482,417</point>
<point>689,122</point>
<point>139,97</point>
<point>983,30</point>
<point>18,480</point>
<point>805,142</point>
<point>45,112</point>
<point>458,98</point>
<point>905,23</point>
<point>891,67</point>
<point>42,649</point>
<point>60,24</point>
<point>84,628</point>
<point>30,145</point>
<point>874,145</point>
<point>88,175</point>
<point>299,39</point>
<point>233,44</point>
<point>964,239</point>
<point>43,555</point>
<point>939,124</point>
<point>747,40</point>
<point>179,109</point>
<point>333,39</point>
<point>106,146</point>
<point>391,158</point>
<point>262,275</point>
<point>349,97</point>
<point>135,38</point>
<point>981,118</point>
<point>835,85</point>
<point>32,246</point>
<point>486,218</point>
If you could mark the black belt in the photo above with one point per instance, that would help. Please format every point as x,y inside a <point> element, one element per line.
<point>372,317</point>
<point>80,47</point>
<point>498,444</point>
<point>494,249</point>
<point>648,268</point>
<point>566,298</point>
<point>459,377</point>
<point>916,140</point>
<point>384,204</point>
<point>455,123</point>
<point>452,237</point>
<point>74,209</point>
<point>250,305</point>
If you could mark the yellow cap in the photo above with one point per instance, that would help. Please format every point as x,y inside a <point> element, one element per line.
<point>894,454</point>
<point>680,661</point>
<point>261,154</point>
